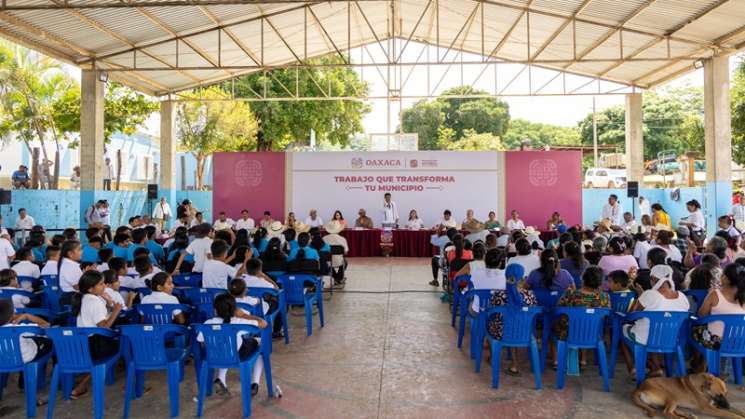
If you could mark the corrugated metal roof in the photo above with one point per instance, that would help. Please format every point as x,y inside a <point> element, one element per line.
<point>635,42</point>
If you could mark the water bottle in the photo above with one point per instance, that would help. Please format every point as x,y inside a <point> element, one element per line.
<point>278,391</point>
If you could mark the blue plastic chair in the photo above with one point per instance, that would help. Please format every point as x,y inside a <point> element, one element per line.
<point>518,331</point>
<point>160,314</point>
<point>294,288</point>
<point>585,332</point>
<point>148,352</point>
<point>50,297</point>
<point>664,337</point>
<point>698,297</point>
<point>271,317</point>
<point>221,351</point>
<point>547,299</point>
<point>73,357</point>
<point>202,299</point>
<point>475,321</point>
<point>462,281</point>
<point>188,280</point>
<point>11,361</point>
<point>143,291</point>
<point>7,294</point>
<point>50,280</point>
<point>620,303</point>
<point>34,282</point>
<point>732,344</point>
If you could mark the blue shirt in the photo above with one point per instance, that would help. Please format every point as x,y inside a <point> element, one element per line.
<point>293,245</point>
<point>40,253</point>
<point>155,249</point>
<point>310,253</point>
<point>20,176</point>
<point>262,245</point>
<point>120,252</point>
<point>131,253</point>
<point>325,248</point>
<point>90,254</point>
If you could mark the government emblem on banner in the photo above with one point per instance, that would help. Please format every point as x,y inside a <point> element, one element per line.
<point>248,173</point>
<point>543,172</point>
<point>357,162</point>
<point>414,163</point>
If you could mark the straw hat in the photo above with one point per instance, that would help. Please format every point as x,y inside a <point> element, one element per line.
<point>301,227</point>
<point>334,227</point>
<point>275,229</point>
<point>530,231</point>
<point>605,223</point>
<point>473,226</point>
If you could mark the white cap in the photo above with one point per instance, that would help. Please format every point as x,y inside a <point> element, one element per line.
<point>662,272</point>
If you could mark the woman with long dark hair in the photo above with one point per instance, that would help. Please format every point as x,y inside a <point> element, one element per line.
<point>574,261</point>
<point>550,275</point>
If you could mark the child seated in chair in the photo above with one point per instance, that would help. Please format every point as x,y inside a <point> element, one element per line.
<point>26,267</point>
<point>217,271</point>
<point>50,268</point>
<point>162,286</point>
<point>227,312</point>
<point>9,281</point>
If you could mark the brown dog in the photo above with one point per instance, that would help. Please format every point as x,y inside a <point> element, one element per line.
<point>701,392</point>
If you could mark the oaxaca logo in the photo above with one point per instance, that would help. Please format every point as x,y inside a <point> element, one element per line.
<point>543,172</point>
<point>414,163</point>
<point>248,173</point>
<point>357,162</point>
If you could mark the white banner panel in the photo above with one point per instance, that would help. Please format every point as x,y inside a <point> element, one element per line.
<point>428,181</point>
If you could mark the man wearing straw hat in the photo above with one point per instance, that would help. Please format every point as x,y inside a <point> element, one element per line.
<point>334,238</point>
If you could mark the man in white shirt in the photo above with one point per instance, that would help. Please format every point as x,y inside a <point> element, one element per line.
<point>108,174</point>
<point>223,222</point>
<point>23,226</point>
<point>7,253</point>
<point>645,208</point>
<point>613,210</point>
<point>515,223</point>
<point>3,230</point>
<point>390,211</point>
<point>245,222</point>
<point>629,224</point>
<point>162,213</point>
<point>447,220</point>
<point>313,219</point>
<point>334,238</point>
<point>738,210</point>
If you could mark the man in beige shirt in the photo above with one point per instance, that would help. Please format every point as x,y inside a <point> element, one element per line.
<point>363,221</point>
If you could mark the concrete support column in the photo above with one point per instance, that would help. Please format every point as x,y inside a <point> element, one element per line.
<point>718,140</point>
<point>91,138</point>
<point>634,138</point>
<point>168,147</point>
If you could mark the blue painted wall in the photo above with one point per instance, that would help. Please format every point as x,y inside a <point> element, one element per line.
<point>594,199</point>
<point>61,209</point>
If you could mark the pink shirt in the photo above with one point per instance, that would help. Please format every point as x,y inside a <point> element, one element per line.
<point>610,263</point>
<point>723,307</point>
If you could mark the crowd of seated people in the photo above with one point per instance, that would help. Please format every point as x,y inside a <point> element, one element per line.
<point>585,266</point>
<point>100,279</point>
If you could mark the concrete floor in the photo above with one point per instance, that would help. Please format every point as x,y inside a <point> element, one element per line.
<point>379,356</point>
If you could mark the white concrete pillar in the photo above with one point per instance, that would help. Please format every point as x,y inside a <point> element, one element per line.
<point>168,148</point>
<point>91,131</point>
<point>718,140</point>
<point>634,138</point>
<point>168,145</point>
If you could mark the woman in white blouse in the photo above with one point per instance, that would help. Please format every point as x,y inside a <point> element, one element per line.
<point>414,223</point>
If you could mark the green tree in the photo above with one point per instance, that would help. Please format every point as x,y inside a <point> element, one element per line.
<point>424,118</point>
<point>539,134</point>
<point>32,83</point>
<point>737,94</point>
<point>473,141</point>
<point>282,123</point>
<point>125,110</point>
<point>212,122</point>
<point>451,110</point>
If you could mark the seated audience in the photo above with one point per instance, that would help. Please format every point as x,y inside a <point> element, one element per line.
<point>525,257</point>
<point>549,275</point>
<point>363,221</point>
<point>617,258</point>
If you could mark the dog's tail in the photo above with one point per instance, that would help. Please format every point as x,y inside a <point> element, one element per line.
<point>636,396</point>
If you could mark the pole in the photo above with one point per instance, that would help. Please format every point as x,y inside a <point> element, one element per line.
<point>594,135</point>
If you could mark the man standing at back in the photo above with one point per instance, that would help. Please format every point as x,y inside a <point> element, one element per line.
<point>390,212</point>
<point>613,210</point>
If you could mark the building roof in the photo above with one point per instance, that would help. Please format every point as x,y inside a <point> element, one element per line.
<point>165,46</point>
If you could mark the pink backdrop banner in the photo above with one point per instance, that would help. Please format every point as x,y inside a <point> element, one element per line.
<point>540,182</point>
<point>254,181</point>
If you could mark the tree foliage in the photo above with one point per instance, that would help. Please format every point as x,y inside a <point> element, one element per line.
<point>214,124</point>
<point>473,141</point>
<point>738,113</point>
<point>282,123</point>
<point>461,115</point>
<point>539,134</point>
<point>672,121</point>
<point>125,110</point>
